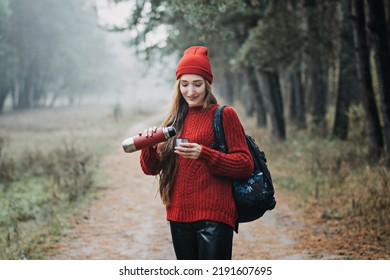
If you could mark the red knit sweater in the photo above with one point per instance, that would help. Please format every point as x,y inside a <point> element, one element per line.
<point>202,188</point>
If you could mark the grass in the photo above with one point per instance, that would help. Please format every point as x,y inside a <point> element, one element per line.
<point>49,169</point>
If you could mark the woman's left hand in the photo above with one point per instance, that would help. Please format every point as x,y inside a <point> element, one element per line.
<point>188,150</point>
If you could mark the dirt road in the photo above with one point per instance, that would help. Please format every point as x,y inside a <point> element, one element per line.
<point>127,221</point>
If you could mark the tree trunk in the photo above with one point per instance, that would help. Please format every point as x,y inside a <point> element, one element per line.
<point>375,138</point>
<point>319,98</point>
<point>4,83</point>
<point>378,28</point>
<point>270,82</point>
<point>293,105</point>
<point>317,71</point>
<point>388,16</point>
<point>347,74</point>
<point>297,105</point>
<point>24,93</point>
<point>256,96</point>
<point>229,92</point>
<point>3,96</point>
<point>238,88</point>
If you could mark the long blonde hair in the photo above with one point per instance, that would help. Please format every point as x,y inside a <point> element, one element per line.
<point>175,117</point>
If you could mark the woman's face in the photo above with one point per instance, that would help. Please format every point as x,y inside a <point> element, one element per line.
<point>193,89</point>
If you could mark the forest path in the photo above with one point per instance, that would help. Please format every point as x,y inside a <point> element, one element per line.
<point>127,221</point>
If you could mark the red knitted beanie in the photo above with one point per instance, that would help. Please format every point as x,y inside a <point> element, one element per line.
<point>195,61</point>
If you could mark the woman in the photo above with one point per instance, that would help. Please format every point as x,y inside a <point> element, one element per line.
<point>195,178</point>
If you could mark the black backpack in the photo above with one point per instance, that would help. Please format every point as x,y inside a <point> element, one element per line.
<point>255,195</point>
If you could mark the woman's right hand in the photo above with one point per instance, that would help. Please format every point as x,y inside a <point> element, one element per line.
<point>148,132</point>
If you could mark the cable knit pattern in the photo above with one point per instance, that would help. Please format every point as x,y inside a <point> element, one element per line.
<point>202,189</point>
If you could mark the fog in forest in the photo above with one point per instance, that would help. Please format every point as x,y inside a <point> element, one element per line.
<point>57,53</point>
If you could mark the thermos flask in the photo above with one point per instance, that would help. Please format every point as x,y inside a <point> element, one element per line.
<point>139,142</point>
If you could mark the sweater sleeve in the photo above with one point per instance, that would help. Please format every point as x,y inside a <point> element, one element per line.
<point>150,161</point>
<point>238,162</point>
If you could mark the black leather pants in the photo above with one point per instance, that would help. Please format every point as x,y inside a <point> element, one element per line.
<point>202,240</point>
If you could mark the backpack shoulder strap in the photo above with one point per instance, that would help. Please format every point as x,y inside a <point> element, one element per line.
<point>219,134</point>
<point>259,158</point>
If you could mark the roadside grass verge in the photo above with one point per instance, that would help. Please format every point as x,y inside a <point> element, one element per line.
<point>49,170</point>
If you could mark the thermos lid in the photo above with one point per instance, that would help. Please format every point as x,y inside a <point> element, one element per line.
<point>171,131</point>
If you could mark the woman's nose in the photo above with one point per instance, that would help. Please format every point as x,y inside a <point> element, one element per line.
<point>191,90</point>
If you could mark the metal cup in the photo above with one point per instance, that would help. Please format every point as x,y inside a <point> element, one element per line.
<point>180,140</point>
